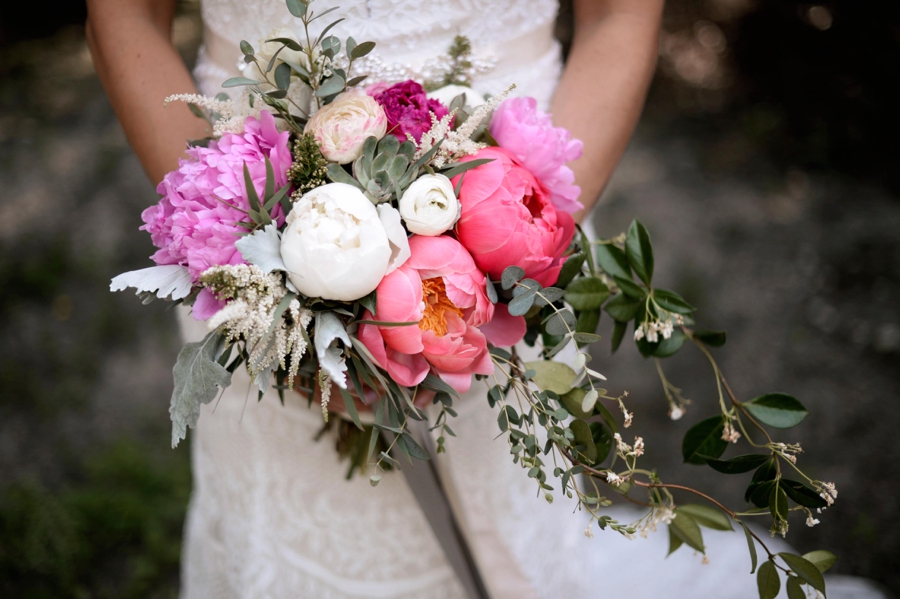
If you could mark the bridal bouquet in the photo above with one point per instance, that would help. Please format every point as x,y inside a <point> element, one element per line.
<point>393,241</point>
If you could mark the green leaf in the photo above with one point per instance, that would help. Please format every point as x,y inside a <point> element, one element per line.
<point>252,196</point>
<point>354,81</point>
<point>491,290</point>
<point>413,448</point>
<point>639,251</point>
<point>572,401</point>
<point>510,276</point>
<point>198,378</point>
<point>586,293</point>
<point>668,347</point>
<point>630,288</point>
<point>704,439</point>
<point>674,541</point>
<point>706,516</point>
<point>460,168</point>
<point>739,464</point>
<point>587,323</point>
<point>332,85</point>
<point>351,408</point>
<point>619,330</point>
<point>296,7</point>
<point>583,437</point>
<point>362,49</point>
<point>288,42</point>
<point>778,505</point>
<point>282,76</point>
<point>672,302</point>
<point>521,304</point>
<point>602,440</point>
<point>711,338</point>
<point>246,48</point>
<point>751,544</point>
<point>802,495</point>
<point>570,269</point>
<point>339,175</point>
<point>767,581</point>
<point>805,570</point>
<point>760,493</point>
<point>548,295</point>
<point>239,81</point>
<point>559,323</point>
<point>586,338</point>
<point>821,559</point>
<point>778,410</point>
<point>552,376</point>
<point>686,528</point>
<point>794,590</point>
<point>613,261</point>
<point>622,308</point>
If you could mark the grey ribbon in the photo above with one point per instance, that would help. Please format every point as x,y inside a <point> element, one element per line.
<point>425,482</point>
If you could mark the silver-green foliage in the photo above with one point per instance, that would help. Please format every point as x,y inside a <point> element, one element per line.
<point>198,378</point>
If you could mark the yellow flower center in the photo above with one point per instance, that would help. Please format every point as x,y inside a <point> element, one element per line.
<point>437,305</point>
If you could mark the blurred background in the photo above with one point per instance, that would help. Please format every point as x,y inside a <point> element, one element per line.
<point>765,167</point>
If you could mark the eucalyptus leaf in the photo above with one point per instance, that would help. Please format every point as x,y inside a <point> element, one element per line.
<point>239,81</point>
<point>521,304</point>
<point>332,85</point>
<point>552,376</point>
<point>198,378</point>
<point>573,400</point>
<point>778,410</point>
<point>510,276</point>
<point>283,76</point>
<point>296,8</point>
<point>360,50</point>
<point>559,323</point>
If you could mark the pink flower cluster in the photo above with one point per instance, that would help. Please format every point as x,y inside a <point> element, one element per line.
<point>507,219</point>
<point>407,107</point>
<point>529,135</point>
<point>195,223</point>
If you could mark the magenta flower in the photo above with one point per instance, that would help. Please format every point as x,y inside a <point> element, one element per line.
<point>195,223</point>
<point>408,109</point>
<point>529,135</point>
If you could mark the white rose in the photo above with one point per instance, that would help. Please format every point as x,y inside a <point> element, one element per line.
<point>338,246</point>
<point>446,94</point>
<point>342,127</point>
<point>429,206</point>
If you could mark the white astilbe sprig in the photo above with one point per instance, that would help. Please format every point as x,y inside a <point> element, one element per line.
<point>459,143</point>
<point>228,116</point>
<point>254,297</point>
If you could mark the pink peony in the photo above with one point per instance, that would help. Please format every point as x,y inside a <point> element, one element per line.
<point>508,219</point>
<point>440,287</point>
<point>195,223</point>
<point>408,109</point>
<point>529,135</point>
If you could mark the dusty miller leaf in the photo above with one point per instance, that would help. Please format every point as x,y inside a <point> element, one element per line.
<point>198,377</point>
<point>262,249</point>
<point>330,329</point>
<point>167,280</point>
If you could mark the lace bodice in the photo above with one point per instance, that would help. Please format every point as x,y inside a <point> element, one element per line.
<point>516,36</point>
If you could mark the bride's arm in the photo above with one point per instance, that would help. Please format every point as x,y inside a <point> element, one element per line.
<point>602,90</point>
<point>130,41</point>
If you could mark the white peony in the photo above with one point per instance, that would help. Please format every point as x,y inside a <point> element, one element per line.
<point>342,127</point>
<point>338,246</point>
<point>446,94</point>
<point>429,206</point>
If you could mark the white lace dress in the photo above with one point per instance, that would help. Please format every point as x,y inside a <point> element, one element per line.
<point>272,515</point>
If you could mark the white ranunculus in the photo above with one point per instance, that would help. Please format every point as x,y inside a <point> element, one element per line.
<point>446,94</point>
<point>342,127</point>
<point>429,206</point>
<point>338,246</point>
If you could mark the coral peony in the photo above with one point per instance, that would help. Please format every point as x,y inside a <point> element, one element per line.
<point>441,288</point>
<point>195,223</point>
<point>508,219</point>
<point>529,135</point>
<point>409,110</point>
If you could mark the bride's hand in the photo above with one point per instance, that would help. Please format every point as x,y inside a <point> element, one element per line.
<point>130,43</point>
